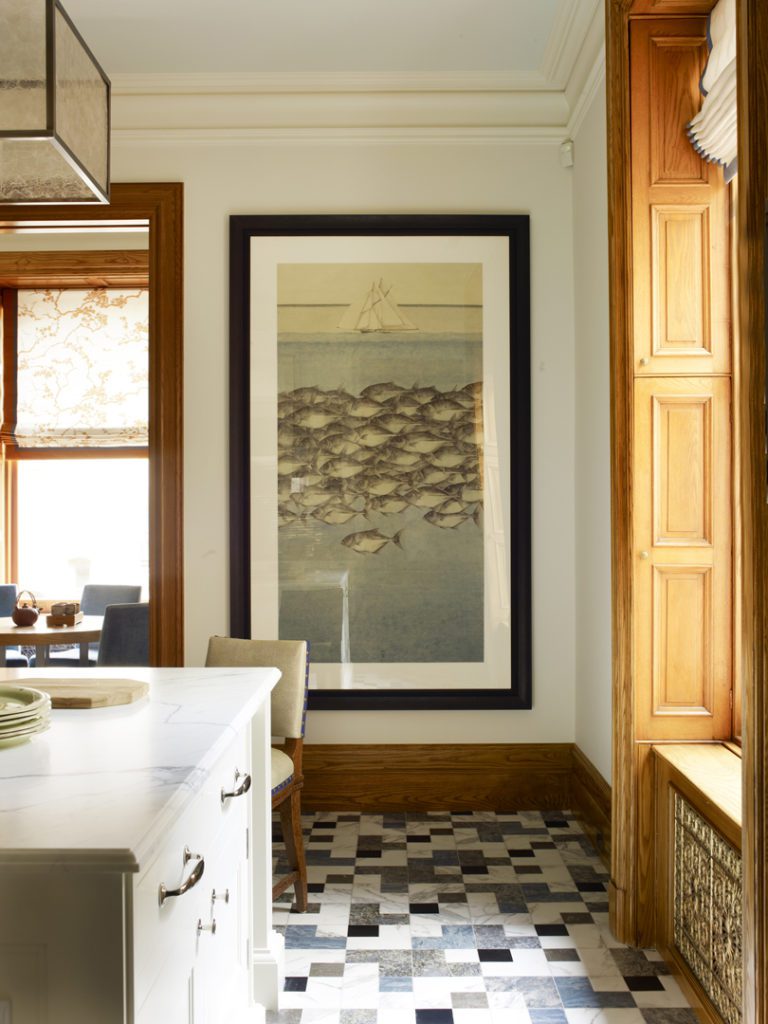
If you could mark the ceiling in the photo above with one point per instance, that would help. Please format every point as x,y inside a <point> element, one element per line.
<point>535,43</point>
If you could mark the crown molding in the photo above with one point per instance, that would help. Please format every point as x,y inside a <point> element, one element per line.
<point>321,112</point>
<point>311,82</point>
<point>458,136</point>
<point>565,43</point>
<point>587,95</point>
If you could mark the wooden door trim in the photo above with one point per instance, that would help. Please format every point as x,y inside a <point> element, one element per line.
<point>161,206</point>
<point>752,62</point>
<point>623,881</point>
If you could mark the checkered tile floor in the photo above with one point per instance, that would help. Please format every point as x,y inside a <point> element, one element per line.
<point>462,918</point>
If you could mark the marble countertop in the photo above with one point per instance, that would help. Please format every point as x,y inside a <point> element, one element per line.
<point>101,787</point>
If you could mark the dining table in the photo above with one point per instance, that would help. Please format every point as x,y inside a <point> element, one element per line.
<point>42,636</point>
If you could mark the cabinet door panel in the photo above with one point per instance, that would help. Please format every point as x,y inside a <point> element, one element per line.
<point>682,558</point>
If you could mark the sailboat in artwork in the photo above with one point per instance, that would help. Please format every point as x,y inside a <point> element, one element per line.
<point>376,312</point>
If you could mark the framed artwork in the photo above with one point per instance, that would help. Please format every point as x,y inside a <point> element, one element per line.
<point>380,494</point>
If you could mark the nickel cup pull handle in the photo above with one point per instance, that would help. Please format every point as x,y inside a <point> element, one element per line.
<point>190,881</point>
<point>244,786</point>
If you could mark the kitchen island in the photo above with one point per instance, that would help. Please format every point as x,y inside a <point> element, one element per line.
<point>135,855</point>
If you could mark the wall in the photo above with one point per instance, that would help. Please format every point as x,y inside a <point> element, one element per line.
<point>593,526</point>
<point>273,176</point>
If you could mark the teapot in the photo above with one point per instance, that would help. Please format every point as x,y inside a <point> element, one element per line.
<point>25,614</point>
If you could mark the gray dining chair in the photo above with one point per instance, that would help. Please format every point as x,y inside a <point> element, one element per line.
<point>13,656</point>
<point>94,601</point>
<point>124,635</point>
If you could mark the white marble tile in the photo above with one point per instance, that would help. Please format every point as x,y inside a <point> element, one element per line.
<point>609,1016</point>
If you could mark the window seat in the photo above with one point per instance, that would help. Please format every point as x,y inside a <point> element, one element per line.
<point>710,775</point>
<point>697,854</point>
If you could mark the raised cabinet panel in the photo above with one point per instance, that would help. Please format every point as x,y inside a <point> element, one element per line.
<point>680,228</point>
<point>680,280</point>
<point>682,640</point>
<point>675,60</point>
<point>681,432</point>
<point>682,558</point>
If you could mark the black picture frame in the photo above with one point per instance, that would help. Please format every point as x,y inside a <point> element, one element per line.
<point>515,228</point>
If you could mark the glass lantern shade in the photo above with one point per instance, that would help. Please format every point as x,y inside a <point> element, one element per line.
<point>54,109</point>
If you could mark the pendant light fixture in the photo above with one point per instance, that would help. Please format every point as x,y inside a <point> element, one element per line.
<point>54,109</point>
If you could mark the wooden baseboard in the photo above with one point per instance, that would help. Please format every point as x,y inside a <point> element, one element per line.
<point>437,777</point>
<point>591,800</point>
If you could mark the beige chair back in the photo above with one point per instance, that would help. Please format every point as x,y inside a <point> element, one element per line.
<point>289,656</point>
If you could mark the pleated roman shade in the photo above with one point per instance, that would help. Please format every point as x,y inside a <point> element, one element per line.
<point>81,369</point>
<point>713,130</point>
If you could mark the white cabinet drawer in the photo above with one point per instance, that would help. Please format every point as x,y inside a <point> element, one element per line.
<point>165,937</point>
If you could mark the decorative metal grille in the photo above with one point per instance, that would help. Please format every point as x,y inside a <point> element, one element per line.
<point>707,908</point>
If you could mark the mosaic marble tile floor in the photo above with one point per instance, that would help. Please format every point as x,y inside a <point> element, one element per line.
<point>462,918</point>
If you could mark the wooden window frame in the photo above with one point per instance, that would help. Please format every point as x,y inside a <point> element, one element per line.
<point>159,206</point>
<point>630,833</point>
<point>92,269</point>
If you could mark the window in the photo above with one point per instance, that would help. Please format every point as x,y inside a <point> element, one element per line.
<point>75,410</point>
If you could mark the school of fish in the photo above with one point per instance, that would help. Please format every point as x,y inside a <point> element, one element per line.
<point>345,457</point>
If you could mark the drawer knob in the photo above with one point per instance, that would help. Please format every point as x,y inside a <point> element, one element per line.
<point>190,881</point>
<point>206,927</point>
<point>220,896</point>
<point>243,786</point>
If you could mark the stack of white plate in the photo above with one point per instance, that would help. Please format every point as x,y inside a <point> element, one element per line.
<point>23,712</point>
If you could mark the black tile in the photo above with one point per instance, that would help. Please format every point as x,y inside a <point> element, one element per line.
<point>337,880</point>
<point>368,854</point>
<point>473,869</point>
<point>358,931</point>
<point>418,839</point>
<point>551,929</point>
<point>489,955</point>
<point>423,908</point>
<point>527,869</point>
<point>539,844</point>
<point>574,918</point>
<point>295,985</point>
<point>452,897</point>
<point>521,853</point>
<point>434,1017</point>
<point>324,824</point>
<point>321,839</point>
<point>590,887</point>
<point>644,983</point>
<point>441,831</point>
<point>556,823</point>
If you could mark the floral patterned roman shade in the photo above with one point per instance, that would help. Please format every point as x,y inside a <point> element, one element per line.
<point>81,368</point>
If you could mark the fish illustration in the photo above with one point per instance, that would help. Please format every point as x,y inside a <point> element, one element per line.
<point>343,468</point>
<point>364,408</point>
<point>338,444</point>
<point>446,522</point>
<point>444,410</point>
<point>313,417</point>
<point>428,498</point>
<point>335,515</point>
<point>447,457</point>
<point>380,485</point>
<point>382,392</point>
<point>399,458</point>
<point>370,542</point>
<point>422,442</point>
<point>371,436</point>
<point>387,505</point>
<point>392,421</point>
